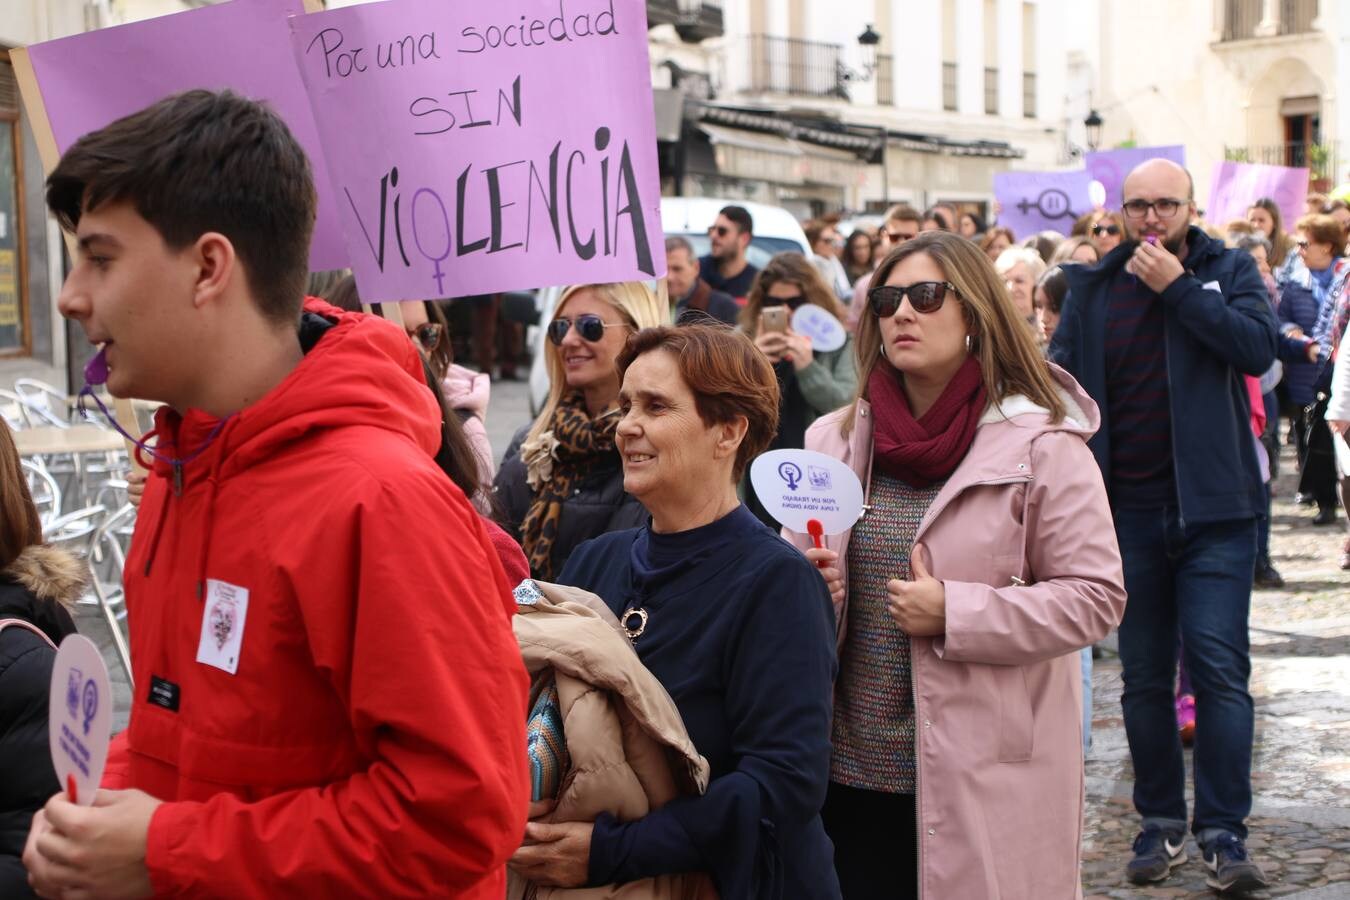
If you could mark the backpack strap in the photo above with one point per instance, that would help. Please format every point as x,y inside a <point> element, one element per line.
<point>23,623</point>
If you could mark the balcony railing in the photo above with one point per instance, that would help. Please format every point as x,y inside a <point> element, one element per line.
<point>991,91</point>
<point>1296,16</point>
<point>885,82</point>
<point>1029,95</point>
<point>792,66</point>
<point>1242,18</point>
<point>1322,159</point>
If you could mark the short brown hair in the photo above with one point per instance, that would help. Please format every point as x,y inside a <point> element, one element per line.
<point>727,375</point>
<point>813,229</point>
<point>204,161</point>
<point>20,526</point>
<point>1324,229</point>
<point>903,212</point>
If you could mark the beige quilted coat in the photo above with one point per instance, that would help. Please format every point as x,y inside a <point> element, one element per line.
<point>629,750</point>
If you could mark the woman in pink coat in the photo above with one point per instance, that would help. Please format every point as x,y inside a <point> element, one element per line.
<point>957,767</point>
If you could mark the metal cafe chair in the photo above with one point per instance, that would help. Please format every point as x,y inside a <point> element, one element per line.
<point>84,534</point>
<point>52,404</point>
<point>44,488</point>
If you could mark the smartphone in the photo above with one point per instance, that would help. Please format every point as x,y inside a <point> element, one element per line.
<point>773,318</point>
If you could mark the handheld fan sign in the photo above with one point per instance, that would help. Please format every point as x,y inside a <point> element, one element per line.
<point>824,330</point>
<point>80,717</point>
<point>808,492</point>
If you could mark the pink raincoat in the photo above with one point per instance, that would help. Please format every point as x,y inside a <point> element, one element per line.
<point>1022,537</point>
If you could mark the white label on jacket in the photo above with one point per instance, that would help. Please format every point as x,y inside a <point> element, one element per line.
<point>1212,286</point>
<point>223,625</point>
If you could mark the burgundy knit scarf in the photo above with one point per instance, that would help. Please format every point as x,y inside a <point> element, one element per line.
<point>926,450</point>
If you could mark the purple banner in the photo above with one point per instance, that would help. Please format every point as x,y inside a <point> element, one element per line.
<point>1041,201</point>
<point>1111,166</point>
<point>1234,187</point>
<point>89,80</point>
<point>482,147</point>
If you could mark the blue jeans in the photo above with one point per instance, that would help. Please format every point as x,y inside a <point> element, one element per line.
<point>1194,582</point>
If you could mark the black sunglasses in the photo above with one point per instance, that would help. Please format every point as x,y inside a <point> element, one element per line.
<point>590,326</point>
<point>719,230</point>
<point>924,296</point>
<point>428,334</point>
<point>790,302</point>
<point>1100,230</point>
<point>899,237</point>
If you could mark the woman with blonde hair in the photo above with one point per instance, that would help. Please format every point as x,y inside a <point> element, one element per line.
<point>1265,217</point>
<point>1107,231</point>
<point>561,480</point>
<point>996,240</point>
<point>37,586</point>
<point>1020,268</point>
<point>985,559</point>
<point>811,382</point>
<point>1076,249</point>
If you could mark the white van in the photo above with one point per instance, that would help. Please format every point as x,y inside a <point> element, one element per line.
<point>775,231</point>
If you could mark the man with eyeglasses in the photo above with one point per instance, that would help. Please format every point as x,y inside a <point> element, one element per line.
<point>1158,334</point>
<point>726,269</point>
<point>902,224</point>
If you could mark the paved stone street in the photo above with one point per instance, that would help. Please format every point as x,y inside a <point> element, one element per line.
<point>1300,827</point>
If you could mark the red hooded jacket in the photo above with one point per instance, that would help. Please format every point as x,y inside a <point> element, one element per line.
<point>371,741</point>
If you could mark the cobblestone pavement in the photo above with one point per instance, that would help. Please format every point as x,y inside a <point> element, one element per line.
<point>1300,826</point>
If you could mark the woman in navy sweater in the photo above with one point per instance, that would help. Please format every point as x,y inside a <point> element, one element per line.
<point>736,625</point>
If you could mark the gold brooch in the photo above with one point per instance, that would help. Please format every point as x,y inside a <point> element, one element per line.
<point>633,632</point>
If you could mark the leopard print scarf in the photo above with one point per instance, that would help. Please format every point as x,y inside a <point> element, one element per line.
<point>557,461</point>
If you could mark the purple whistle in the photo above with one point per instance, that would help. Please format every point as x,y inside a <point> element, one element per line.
<point>96,370</point>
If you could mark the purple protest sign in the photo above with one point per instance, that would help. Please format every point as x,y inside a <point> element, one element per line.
<point>477,147</point>
<point>1234,187</point>
<point>1041,201</point>
<point>89,80</point>
<point>1111,166</point>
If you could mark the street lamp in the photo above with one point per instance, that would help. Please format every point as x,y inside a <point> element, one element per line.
<point>868,40</point>
<point>1093,123</point>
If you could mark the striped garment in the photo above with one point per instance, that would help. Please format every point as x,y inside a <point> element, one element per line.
<point>873,731</point>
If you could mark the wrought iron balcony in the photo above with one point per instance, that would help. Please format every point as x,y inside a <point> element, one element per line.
<point>1322,159</point>
<point>791,66</point>
<point>1242,19</point>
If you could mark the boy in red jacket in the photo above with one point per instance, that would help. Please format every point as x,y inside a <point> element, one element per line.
<point>328,699</point>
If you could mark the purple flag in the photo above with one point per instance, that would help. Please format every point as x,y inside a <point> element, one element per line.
<point>1041,201</point>
<point>1111,166</point>
<point>1234,187</point>
<point>482,147</point>
<point>89,80</point>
